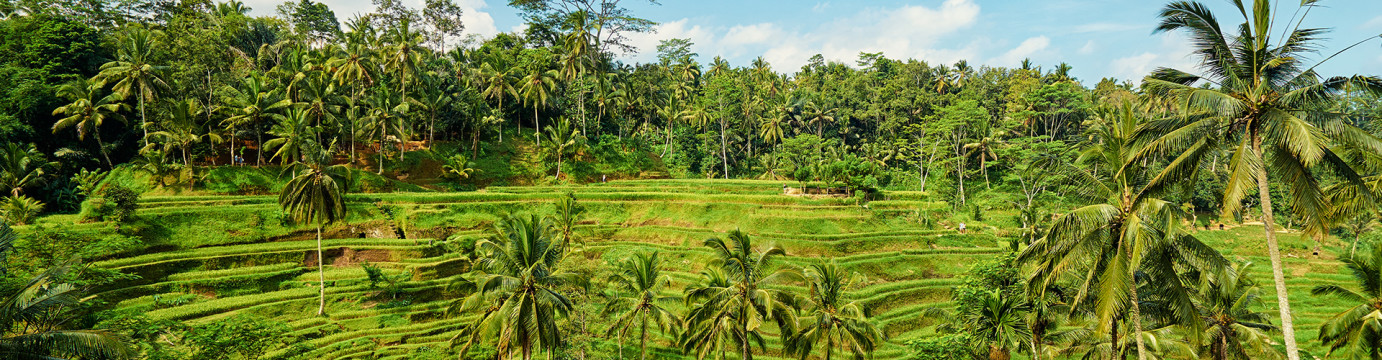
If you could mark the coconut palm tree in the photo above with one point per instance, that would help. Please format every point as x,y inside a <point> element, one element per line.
<point>564,139</point>
<point>21,166</point>
<point>133,72</point>
<point>833,321</point>
<point>999,324</point>
<point>495,84</point>
<point>639,283</point>
<point>1234,329</point>
<point>253,104</point>
<point>181,130</point>
<point>316,196</point>
<point>88,111</point>
<point>33,318</point>
<point>1266,105</point>
<point>1357,331</point>
<point>737,307</point>
<point>1126,235</point>
<point>518,275</point>
<point>536,89</point>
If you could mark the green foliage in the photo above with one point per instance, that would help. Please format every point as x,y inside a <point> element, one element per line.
<point>117,203</point>
<point>944,347</point>
<point>20,209</point>
<point>240,336</point>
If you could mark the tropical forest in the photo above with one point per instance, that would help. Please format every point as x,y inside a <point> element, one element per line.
<point>198,179</point>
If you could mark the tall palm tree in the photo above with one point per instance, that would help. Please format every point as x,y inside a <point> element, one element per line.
<point>519,275</point>
<point>1128,234</point>
<point>1357,330</point>
<point>133,73</point>
<point>32,318</point>
<point>316,195</point>
<point>403,53</point>
<point>639,282</point>
<point>536,88</point>
<point>494,83</point>
<point>1266,105</point>
<point>253,104</point>
<point>88,111</point>
<point>833,321</point>
<point>738,306</point>
<point>1234,329</point>
<point>293,134</point>
<point>386,111</point>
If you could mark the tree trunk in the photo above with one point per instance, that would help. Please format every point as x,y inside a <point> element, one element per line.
<point>537,124</point>
<point>643,334</point>
<point>321,274</point>
<point>1283,302</point>
<point>724,157</point>
<point>143,121</point>
<point>102,147</point>
<point>1137,318</point>
<point>259,146</point>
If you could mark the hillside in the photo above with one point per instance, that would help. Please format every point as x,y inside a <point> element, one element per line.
<point>208,258</point>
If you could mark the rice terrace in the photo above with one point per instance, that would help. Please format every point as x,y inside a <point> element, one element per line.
<point>635,179</point>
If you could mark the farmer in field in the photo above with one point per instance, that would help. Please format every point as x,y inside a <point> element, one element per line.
<point>962,228</point>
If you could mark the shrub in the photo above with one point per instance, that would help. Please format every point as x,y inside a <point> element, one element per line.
<point>21,209</point>
<point>119,204</point>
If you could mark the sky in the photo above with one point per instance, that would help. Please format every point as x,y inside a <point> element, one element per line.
<point>1099,38</point>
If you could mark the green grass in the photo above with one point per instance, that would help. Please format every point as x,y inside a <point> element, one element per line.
<point>235,254</point>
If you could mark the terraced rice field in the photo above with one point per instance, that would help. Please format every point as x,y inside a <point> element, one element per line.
<point>218,256</point>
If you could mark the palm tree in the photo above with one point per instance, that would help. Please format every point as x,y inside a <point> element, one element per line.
<point>1233,328</point>
<point>639,282</point>
<point>1358,329</point>
<point>1266,105</point>
<point>316,196</point>
<point>403,54</point>
<point>737,307</point>
<point>999,324</point>
<point>386,113</point>
<point>834,320</point>
<point>254,103</point>
<point>33,317</point>
<point>536,88</point>
<point>495,84</point>
<point>293,133</point>
<point>518,276</point>
<point>564,139</point>
<point>181,130</point>
<point>1128,234</point>
<point>88,111</point>
<point>133,74</point>
<point>21,166</point>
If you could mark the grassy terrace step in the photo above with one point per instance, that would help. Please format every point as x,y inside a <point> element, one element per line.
<point>262,248</point>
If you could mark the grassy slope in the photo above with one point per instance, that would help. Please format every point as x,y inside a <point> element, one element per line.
<point>208,245</point>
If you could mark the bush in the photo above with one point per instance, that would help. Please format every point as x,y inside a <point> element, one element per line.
<point>119,203</point>
<point>20,210</point>
<point>945,347</point>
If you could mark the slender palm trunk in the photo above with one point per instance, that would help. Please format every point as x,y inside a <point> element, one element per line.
<point>143,121</point>
<point>1283,302</point>
<point>537,124</point>
<point>100,145</point>
<point>321,275</point>
<point>724,158</point>
<point>1137,318</point>
<point>259,146</point>
<point>643,334</point>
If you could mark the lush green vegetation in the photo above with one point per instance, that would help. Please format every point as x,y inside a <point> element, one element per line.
<point>186,181</point>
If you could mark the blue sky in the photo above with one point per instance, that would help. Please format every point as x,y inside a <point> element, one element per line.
<point>1100,38</point>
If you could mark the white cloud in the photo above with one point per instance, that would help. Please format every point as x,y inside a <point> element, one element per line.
<point>1022,51</point>
<point>1173,52</point>
<point>905,32</point>
<point>646,43</point>
<point>1089,48</point>
<point>1373,24</point>
<point>820,7</point>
